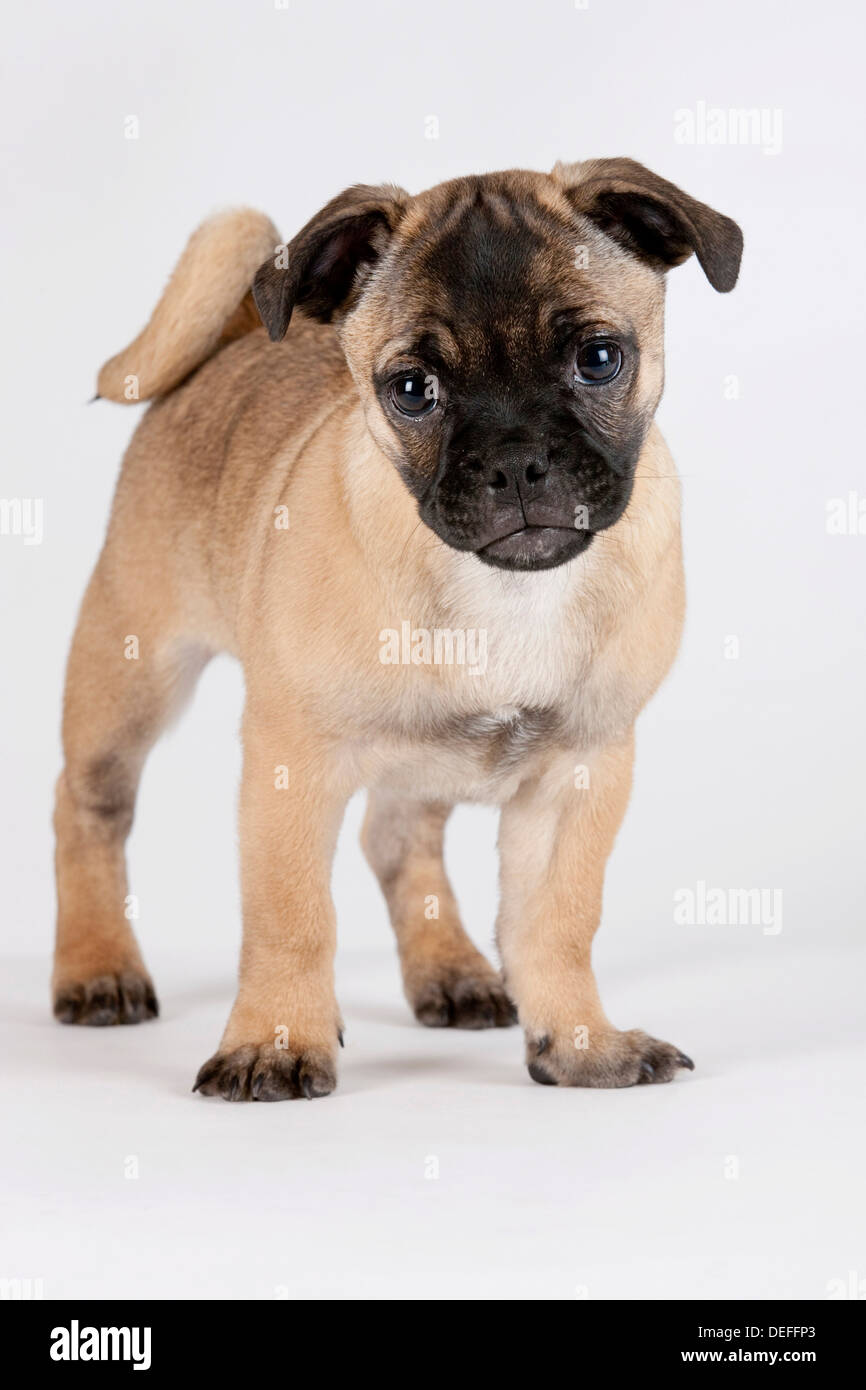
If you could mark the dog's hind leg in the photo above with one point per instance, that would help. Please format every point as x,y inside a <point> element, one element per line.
<point>129,671</point>
<point>447,980</point>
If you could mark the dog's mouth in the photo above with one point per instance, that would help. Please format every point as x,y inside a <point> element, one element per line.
<point>535,547</point>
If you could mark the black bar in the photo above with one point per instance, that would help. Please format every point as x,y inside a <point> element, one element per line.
<point>193,1335</point>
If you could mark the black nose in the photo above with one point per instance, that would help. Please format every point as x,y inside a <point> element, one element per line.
<point>515,472</point>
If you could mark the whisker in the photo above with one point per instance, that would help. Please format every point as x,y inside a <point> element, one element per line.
<point>408,539</point>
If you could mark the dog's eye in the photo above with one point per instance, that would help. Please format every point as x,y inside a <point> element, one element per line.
<point>413,393</point>
<point>597,361</point>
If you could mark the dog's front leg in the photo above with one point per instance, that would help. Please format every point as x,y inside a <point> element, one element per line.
<point>282,1036</point>
<point>555,839</point>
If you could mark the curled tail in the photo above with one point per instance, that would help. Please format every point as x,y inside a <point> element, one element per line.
<point>206,303</point>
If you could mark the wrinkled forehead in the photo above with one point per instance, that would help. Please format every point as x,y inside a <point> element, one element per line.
<point>483,270</point>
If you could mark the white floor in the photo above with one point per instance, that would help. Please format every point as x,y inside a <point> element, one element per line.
<point>540,1193</point>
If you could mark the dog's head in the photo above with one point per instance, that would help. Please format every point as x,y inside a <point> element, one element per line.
<point>505,335</point>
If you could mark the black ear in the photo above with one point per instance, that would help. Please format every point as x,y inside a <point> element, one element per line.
<point>652,218</point>
<point>321,267</point>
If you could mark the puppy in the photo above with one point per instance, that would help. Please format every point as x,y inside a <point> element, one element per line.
<point>427,508</point>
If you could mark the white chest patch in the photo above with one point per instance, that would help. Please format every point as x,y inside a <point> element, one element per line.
<point>522,618</point>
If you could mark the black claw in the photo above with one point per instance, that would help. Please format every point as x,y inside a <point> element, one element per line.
<point>67,1007</point>
<point>685,1061</point>
<point>340,1037</point>
<point>542,1045</point>
<point>307,1084</point>
<point>102,1009</point>
<point>237,1087</point>
<point>540,1075</point>
<point>206,1073</point>
<point>434,1016</point>
<point>648,1071</point>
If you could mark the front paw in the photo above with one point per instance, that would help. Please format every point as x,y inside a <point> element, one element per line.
<point>265,1072</point>
<point>604,1058</point>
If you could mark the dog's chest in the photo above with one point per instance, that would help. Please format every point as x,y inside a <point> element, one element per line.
<point>498,743</point>
<point>508,733</point>
<point>529,695</point>
<point>470,756</point>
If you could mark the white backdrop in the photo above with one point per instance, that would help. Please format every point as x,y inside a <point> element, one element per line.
<point>750,765</point>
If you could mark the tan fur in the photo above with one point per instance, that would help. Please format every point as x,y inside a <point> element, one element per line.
<point>193,564</point>
<point>211,278</point>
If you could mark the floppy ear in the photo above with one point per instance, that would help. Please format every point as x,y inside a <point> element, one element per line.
<point>319,269</point>
<point>652,218</point>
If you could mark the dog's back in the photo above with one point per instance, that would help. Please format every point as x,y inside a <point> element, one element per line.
<point>224,400</point>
